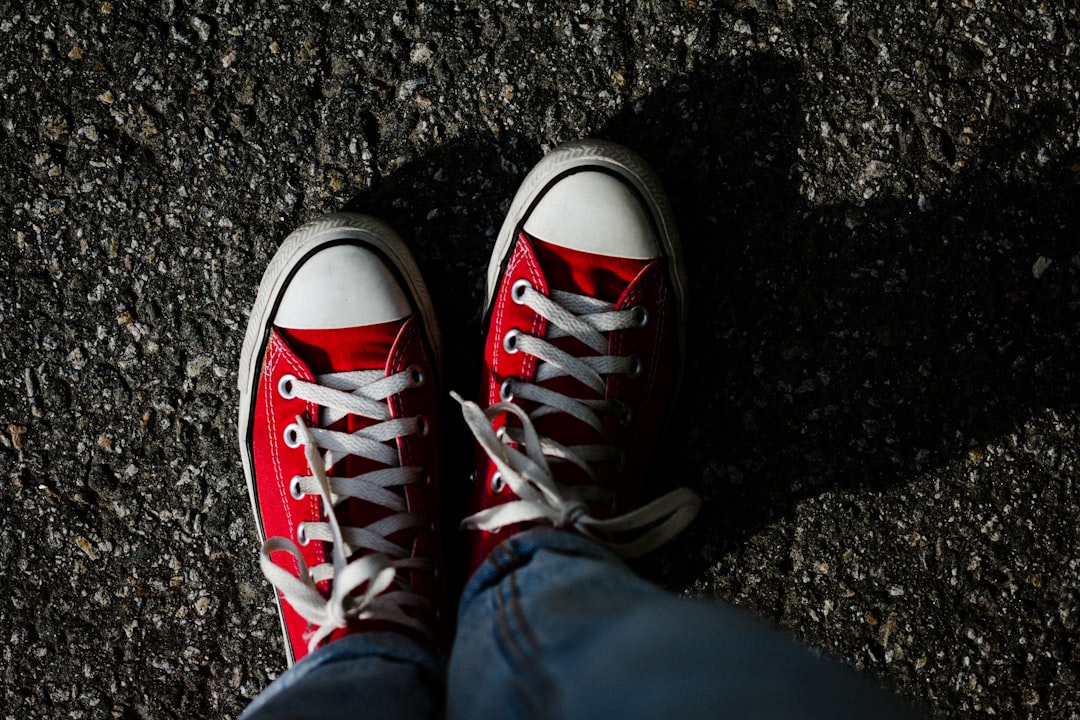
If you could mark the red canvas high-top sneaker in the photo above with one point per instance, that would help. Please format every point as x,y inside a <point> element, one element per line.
<point>339,434</point>
<point>585,320</point>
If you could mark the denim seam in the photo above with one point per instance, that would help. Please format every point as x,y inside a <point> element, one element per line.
<point>521,646</point>
<point>515,606</point>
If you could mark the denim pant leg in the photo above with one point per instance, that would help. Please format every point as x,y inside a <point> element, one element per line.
<point>554,626</point>
<point>369,675</point>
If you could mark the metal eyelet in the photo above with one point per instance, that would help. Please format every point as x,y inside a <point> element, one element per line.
<point>626,414</point>
<point>416,376</point>
<point>517,290</point>
<point>502,433</point>
<point>497,483</point>
<point>301,534</point>
<point>292,435</point>
<point>427,479</point>
<point>509,342</point>
<point>636,367</point>
<point>285,386</point>
<point>423,427</point>
<point>641,315</point>
<point>506,392</point>
<point>294,487</point>
<point>620,464</point>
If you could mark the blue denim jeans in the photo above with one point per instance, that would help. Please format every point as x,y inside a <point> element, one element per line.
<point>554,626</point>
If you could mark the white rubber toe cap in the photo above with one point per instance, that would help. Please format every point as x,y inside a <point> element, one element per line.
<point>594,212</point>
<point>341,286</point>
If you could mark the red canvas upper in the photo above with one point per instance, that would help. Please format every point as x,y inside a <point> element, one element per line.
<point>393,346</point>
<point>627,283</point>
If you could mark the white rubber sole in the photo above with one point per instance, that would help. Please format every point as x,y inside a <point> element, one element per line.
<point>626,164</point>
<point>301,244</point>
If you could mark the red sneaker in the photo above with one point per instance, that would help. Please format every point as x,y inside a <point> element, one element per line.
<point>339,434</point>
<point>585,315</point>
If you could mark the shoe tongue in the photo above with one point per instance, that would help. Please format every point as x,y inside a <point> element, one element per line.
<point>344,349</point>
<point>599,276</point>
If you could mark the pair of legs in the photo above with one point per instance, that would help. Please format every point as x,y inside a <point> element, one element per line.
<point>555,626</point>
<point>341,443</point>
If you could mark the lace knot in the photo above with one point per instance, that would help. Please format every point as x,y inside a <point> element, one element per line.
<point>543,500</point>
<point>568,514</point>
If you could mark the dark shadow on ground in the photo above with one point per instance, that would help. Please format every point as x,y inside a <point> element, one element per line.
<point>848,345</point>
<point>829,346</point>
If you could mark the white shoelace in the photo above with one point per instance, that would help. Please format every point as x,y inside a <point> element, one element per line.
<point>362,393</point>
<point>540,497</point>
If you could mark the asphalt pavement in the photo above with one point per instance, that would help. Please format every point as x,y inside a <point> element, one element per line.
<point>880,206</point>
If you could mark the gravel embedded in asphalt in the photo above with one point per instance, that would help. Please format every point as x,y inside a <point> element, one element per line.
<point>879,211</point>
